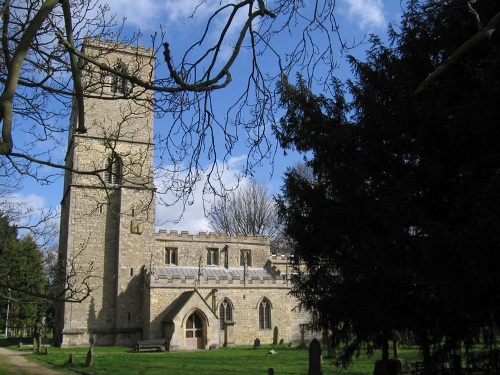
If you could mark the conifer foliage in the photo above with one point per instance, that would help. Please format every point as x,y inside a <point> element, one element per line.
<point>400,229</point>
<point>23,283</point>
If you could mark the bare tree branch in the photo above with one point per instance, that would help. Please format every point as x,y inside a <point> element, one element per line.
<point>470,43</point>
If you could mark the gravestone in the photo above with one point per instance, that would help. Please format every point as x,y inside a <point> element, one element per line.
<point>256,343</point>
<point>315,358</point>
<point>71,359</point>
<point>281,342</point>
<point>275,335</point>
<point>90,354</point>
<point>394,366</point>
<point>302,344</point>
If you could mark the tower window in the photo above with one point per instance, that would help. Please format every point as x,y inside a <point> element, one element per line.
<point>265,314</point>
<point>225,313</point>
<point>170,255</point>
<point>212,257</point>
<point>118,84</point>
<point>113,170</point>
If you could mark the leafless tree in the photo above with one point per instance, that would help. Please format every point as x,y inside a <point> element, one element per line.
<point>484,31</point>
<point>248,210</point>
<point>40,80</point>
<point>40,76</point>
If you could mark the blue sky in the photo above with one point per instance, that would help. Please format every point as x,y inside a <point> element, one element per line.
<point>357,18</point>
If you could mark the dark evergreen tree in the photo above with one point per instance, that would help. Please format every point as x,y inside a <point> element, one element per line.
<point>23,283</point>
<point>400,229</point>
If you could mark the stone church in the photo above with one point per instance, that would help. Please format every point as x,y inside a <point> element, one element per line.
<point>195,291</point>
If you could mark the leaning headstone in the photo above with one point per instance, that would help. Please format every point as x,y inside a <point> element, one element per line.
<point>256,343</point>
<point>89,360</point>
<point>315,358</point>
<point>275,335</point>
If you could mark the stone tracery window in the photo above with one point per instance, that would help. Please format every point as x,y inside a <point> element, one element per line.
<point>225,312</point>
<point>265,314</point>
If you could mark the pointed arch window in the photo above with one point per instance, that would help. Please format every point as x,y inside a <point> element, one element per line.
<point>113,171</point>
<point>265,314</point>
<point>225,313</point>
<point>118,84</point>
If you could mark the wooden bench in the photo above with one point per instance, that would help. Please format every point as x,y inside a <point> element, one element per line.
<point>160,345</point>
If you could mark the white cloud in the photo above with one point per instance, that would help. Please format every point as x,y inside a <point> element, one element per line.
<point>366,14</point>
<point>193,213</point>
<point>147,15</point>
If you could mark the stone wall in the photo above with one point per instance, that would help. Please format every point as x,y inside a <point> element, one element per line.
<point>191,247</point>
<point>108,227</point>
<point>244,301</point>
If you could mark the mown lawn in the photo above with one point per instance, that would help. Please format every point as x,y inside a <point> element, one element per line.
<point>242,360</point>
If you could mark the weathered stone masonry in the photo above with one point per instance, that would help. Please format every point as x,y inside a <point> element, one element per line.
<point>148,285</point>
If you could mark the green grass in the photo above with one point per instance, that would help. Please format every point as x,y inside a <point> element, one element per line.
<point>242,360</point>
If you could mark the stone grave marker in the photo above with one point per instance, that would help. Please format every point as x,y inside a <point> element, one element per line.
<point>256,343</point>
<point>275,335</point>
<point>315,359</point>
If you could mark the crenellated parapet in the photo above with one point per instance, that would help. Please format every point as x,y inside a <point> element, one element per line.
<point>161,277</point>
<point>96,42</point>
<point>174,235</point>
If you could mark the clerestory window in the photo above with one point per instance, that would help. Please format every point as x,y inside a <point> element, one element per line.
<point>212,257</point>
<point>245,257</point>
<point>171,255</point>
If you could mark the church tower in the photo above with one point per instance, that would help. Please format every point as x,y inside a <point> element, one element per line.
<point>107,210</point>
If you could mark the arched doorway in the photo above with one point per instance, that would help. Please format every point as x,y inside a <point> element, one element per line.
<point>194,332</point>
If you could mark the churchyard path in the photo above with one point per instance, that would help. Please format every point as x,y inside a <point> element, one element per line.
<point>18,364</point>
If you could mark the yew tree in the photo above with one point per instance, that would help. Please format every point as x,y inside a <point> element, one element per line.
<point>400,228</point>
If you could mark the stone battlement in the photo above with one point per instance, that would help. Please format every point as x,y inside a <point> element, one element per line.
<point>174,235</point>
<point>96,42</point>
<point>211,282</point>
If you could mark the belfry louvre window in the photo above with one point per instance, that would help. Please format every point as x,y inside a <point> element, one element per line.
<point>118,84</point>
<point>113,171</point>
<point>212,257</point>
<point>265,314</point>
<point>225,313</point>
<point>171,255</point>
